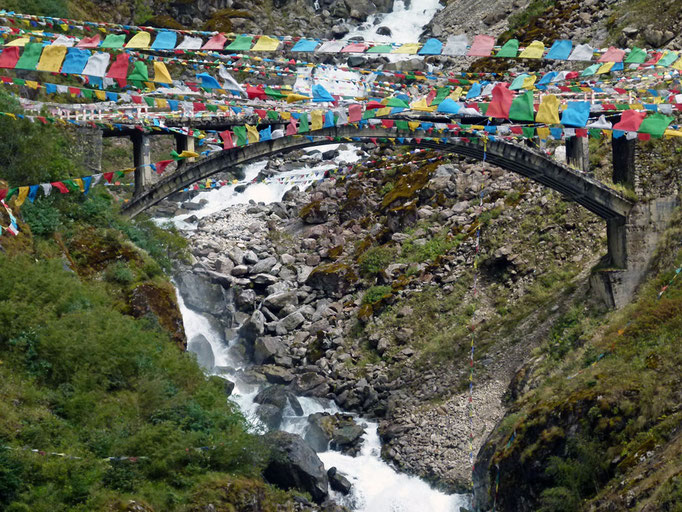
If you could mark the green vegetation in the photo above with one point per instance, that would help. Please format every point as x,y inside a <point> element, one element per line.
<point>375,259</point>
<point>375,293</point>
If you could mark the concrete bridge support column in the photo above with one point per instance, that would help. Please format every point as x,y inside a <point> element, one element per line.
<point>623,152</point>
<point>577,153</point>
<point>184,143</point>
<point>142,159</point>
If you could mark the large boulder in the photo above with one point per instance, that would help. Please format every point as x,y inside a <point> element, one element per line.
<point>336,431</point>
<point>318,212</point>
<point>200,294</point>
<point>264,266</point>
<point>294,465</point>
<point>201,347</point>
<point>289,323</point>
<point>266,348</point>
<point>277,301</point>
<point>272,402</point>
<point>334,279</point>
<point>338,482</point>
<point>253,327</point>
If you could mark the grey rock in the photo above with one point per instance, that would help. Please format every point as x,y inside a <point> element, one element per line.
<point>276,374</point>
<point>277,301</point>
<point>266,348</point>
<point>296,466</point>
<point>338,482</point>
<point>290,322</point>
<point>200,346</point>
<point>264,266</point>
<point>253,328</point>
<point>240,270</point>
<point>250,257</point>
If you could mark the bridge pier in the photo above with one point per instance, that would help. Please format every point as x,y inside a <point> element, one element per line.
<point>184,143</point>
<point>623,153</point>
<point>142,160</point>
<point>577,153</point>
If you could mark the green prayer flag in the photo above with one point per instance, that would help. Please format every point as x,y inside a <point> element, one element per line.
<point>18,81</point>
<point>595,133</point>
<point>303,124</point>
<point>402,125</point>
<point>241,43</point>
<point>397,102</point>
<point>149,101</point>
<point>273,93</point>
<point>369,114</point>
<point>380,48</point>
<point>522,108</point>
<point>655,124</point>
<point>668,59</point>
<point>591,70</point>
<point>29,59</point>
<point>528,132</point>
<point>139,72</point>
<point>272,115</point>
<point>11,192</point>
<point>240,132</point>
<point>71,185</point>
<point>442,93</point>
<point>114,41</point>
<point>510,49</point>
<point>636,56</point>
<point>211,108</point>
<point>88,93</point>
<point>517,83</point>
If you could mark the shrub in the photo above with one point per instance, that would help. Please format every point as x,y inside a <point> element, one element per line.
<point>375,293</point>
<point>375,260</point>
<point>119,272</point>
<point>42,217</point>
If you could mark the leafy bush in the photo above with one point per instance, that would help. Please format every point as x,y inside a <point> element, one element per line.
<point>375,293</point>
<point>375,260</point>
<point>42,217</point>
<point>119,272</point>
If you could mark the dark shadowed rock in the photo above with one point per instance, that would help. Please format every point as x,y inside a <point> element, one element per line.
<point>279,396</point>
<point>338,482</point>
<point>277,374</point>
<point>295,465</point>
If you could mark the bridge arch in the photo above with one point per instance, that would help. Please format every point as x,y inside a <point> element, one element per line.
<point>572,184</point>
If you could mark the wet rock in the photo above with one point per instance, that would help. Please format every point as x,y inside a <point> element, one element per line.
<point>279,396</point>
<point>338,482</point>
<point>277,374</point>
<point>201,347</point>
<point>335,431</point>
<point>264,279</point>
<point>253,328</point>
<point>296,466</point>
<point>384,31</point>
<point>266,348</point>
<point>245,299</point>
<point>311,384</point>
<point>200,294</point>
<point>226,385</point>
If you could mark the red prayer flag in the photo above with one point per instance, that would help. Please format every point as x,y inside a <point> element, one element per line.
<point>387,123</point>
<point>291,127</point>
<point>108,176</point>
<point>3,194</point>
<point>581,132</point>
<point>630,121</point>
<point>501,103</point>
<point>482,46</point>
<point>227,139</point>
<point>355,113</point>
<point>119,69</point>
<point>198,106</point>
<point>161,166</point>
<point>60,186</point>
<point>9,57</point>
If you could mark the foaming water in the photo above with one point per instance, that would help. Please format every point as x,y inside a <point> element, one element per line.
<point>377,487</point>
<point>406,23</point>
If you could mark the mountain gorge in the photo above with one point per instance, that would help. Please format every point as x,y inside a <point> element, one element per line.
<point>369,325</point>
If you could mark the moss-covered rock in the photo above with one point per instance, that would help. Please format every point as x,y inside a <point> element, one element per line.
<point>332,278</point>
<point>158,301</point>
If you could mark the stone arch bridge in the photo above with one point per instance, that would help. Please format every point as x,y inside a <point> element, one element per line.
<point>624,261</point>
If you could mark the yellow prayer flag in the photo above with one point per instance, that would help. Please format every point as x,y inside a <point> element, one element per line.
<point>533,51</point>
<point>543,132</point>
<point>383,111</point>
<point>413,125</point>
<point>23,192</point>
<point>422,106</point>
<point>51,59</point>
<point>316,120</point>
<point>252,133</point>
<point>81,185</point>
<point>529,81</point>
<point>678,64</point>
<point>605,68</point>
<point>294,97</point>
<point>31,84</point>
<point>19,42</point>
<point>161,103</point>
<point>266,44</point>
<point>636,106</point>
<point>285,115</point>
<point>184,154</point>
<point>101,95</point>
<point>454,95</point>
<point>548,111</point>
<point>672,133</point>
<point>161,74</point>
<point>607,134</point>
<point>140,40</point>
<point>408,48</point>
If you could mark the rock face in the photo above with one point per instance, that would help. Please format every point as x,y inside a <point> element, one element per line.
<point>273,401</point>
<point>294,465</point>
<point>200,346</point>
<point>335,431</point>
